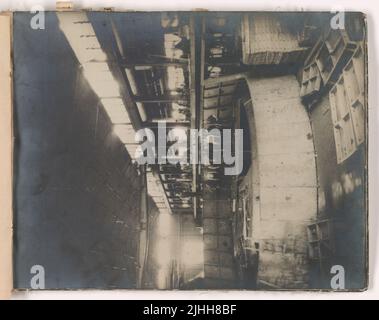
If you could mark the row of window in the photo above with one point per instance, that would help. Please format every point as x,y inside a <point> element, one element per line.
<point>347,102</point>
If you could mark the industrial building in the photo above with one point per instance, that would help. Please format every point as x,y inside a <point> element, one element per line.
<point>94,217</point>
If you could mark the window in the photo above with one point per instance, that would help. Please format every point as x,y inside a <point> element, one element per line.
<point>311,81</point>
<point>347,101</point>
<point>333,52</point>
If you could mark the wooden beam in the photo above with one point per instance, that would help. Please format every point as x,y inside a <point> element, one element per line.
<point>171,180</point>
<point>223,86</point>
<point>158,99</point>
<point>226,106</point>
<point>176,200</point>
<point>229,78</point>
<point>151,64</point>
<point>196,87</point>
<point>143,242</point>
<point>193,98</point>
<point>154,61</point>
<point>168,122</point>
<point>219,95</point>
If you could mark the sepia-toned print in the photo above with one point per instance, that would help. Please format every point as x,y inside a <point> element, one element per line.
<point>190,150</point>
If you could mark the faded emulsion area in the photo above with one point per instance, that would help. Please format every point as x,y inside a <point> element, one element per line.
<point>93,215</point>
<point>77,191</point>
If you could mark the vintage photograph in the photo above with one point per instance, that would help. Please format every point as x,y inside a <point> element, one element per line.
<point>190,150</point>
